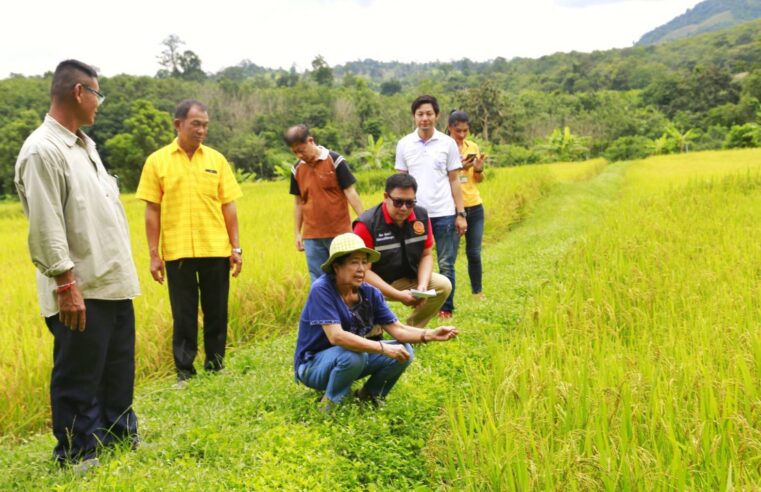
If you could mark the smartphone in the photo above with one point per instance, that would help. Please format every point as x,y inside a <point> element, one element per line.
<point>469,157</point>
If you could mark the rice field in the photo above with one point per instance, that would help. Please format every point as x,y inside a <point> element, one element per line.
<point>264,301</point>
<point>638,366</point>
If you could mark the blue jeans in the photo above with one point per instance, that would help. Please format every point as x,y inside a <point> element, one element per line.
<point>447,242</point>
<point>473,239</point>
<point>317,252</point>
<point>334,370</point>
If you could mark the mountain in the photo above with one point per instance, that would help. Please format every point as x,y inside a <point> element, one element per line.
<point>707,16</point>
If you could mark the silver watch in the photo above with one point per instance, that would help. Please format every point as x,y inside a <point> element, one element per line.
<point>238,251</point>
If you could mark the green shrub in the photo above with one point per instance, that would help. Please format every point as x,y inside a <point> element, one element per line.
<point>370,181</point>
<point>628,148</point>
<point>512,155</point>
<point>712,139</point>
<point>742,136</point>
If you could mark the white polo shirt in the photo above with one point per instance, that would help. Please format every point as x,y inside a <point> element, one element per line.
<point>429,162</point>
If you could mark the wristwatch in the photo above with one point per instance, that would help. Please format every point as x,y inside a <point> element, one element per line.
<point>462,214</point>
<point>238,251</point>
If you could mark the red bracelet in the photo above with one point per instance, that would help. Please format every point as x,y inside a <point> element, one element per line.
<point>64,287</point>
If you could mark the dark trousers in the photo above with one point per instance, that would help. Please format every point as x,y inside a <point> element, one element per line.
<point>93,378</point>
<point>187,277</point>
<point>473,239</point>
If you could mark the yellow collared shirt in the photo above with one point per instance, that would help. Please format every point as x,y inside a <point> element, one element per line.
<point>470,195</point>
<point>191,194</point>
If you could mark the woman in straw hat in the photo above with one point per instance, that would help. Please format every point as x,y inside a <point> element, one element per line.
<point>332,351</point>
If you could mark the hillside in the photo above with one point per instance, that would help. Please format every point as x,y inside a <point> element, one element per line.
<point>735,49</point>
<point>710,83</point>
<point>707,16</point>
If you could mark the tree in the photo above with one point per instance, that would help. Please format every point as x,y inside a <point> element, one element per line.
<point>743,136</point>
<point>182,65</point>
<point>289,78</point>
<point>681,139</point>
<point>562,145</point>
<point>12,136</point>
<point>711,86</point>
<point>390,87</point>
<point>148,129</point>
<point>751,85</point>
<point>247,151</point>
<point>190,64</point>
<point>661,145</point>
<point>627,148</point>
<point>321,71</point>
<point>485,108</point>
<point>170,56</point>
<point>375,154</point>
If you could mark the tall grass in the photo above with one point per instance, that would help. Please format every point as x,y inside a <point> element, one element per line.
<point>639,366</point>
<point>265,300</point>
<point>265,297</point>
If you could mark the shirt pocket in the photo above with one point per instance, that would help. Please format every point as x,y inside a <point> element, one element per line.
<point>440,160</point>
<point>110,185</point>
<point>327,180</point>
<point>208,184</point>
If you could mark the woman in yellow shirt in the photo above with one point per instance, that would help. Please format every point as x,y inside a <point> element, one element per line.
<point>471,174</point>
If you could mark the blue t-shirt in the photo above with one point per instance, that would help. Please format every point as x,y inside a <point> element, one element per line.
<point>325,307</point>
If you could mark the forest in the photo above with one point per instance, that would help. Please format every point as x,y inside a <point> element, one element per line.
<point>696,93</point>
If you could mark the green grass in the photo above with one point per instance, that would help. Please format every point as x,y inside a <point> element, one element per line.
<point>253,427</point>
<point>618,350</point>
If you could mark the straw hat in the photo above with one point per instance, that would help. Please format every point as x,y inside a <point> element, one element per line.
<point>346,244</point>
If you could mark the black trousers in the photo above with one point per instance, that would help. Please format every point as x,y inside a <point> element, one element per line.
<point>187,277</point>
<point>93,378</point>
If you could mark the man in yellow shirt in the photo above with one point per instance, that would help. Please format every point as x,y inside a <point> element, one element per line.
<point>189,191</point>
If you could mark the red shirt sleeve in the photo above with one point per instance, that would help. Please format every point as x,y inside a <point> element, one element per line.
<point>429,239</point>
<point>361,230</point>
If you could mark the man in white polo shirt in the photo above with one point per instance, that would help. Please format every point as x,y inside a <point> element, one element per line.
<point>433,159</point>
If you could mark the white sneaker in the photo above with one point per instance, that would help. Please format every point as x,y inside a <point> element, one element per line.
<point>85,466</point>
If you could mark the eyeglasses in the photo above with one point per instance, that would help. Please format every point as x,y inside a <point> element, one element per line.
<point>98,94</point>
<point>401,202</point>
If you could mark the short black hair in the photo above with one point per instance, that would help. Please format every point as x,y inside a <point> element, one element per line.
<point>425,100</point>
<point>296,134</point>
<point>400,180</point>
<point>67,74</point>
<point>182,109</point>
<point>458,117</point>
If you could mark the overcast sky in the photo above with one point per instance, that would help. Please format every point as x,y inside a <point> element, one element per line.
<point>125,37</point>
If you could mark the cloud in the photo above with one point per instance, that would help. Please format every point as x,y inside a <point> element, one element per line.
<point>290,32</point>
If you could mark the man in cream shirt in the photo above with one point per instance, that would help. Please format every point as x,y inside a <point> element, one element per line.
<point>86,279</point>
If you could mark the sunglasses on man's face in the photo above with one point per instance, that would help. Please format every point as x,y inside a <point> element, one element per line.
<point>401,202</point>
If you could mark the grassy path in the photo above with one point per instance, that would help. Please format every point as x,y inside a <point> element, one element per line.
<point>254,428</point>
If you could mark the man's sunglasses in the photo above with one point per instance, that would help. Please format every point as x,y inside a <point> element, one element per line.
<point>401,202</point>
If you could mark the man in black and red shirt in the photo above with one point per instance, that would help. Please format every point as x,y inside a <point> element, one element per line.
<point>401,232</point>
